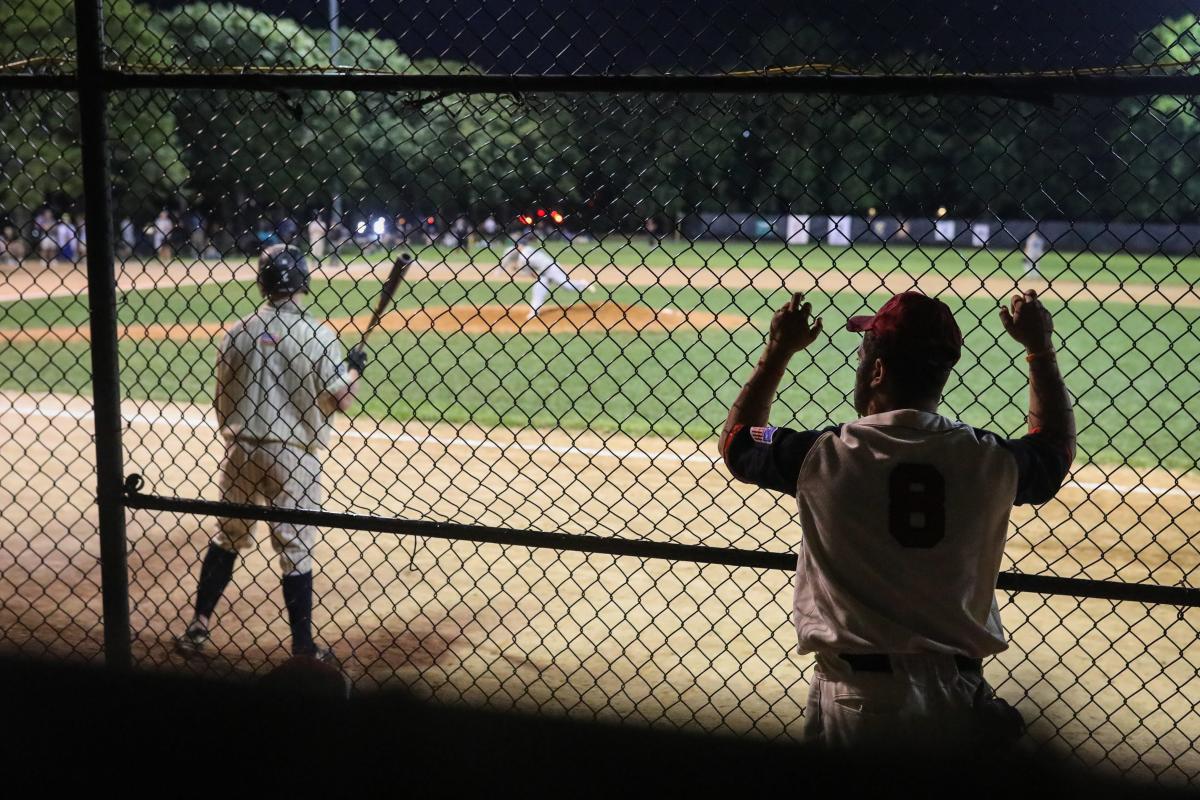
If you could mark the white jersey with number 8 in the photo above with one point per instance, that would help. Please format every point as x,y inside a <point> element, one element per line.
<point>905,515</point>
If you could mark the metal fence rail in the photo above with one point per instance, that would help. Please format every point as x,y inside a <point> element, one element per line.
<point>528,510</point>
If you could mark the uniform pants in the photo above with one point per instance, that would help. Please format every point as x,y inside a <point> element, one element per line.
<point>550,279</point>
<point>924,702</point>
<point>277,475</point>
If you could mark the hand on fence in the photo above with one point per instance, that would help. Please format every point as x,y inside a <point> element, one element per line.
<point>791,328</point>
<point>1029,322</point>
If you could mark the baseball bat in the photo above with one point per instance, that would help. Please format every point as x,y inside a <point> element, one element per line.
<point>386,294</point>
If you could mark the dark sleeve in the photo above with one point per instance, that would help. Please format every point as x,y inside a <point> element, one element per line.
<point>1042,465</point>
<point>769,457</point>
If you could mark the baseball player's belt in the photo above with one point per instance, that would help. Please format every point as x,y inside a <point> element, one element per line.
<point>880,662</point>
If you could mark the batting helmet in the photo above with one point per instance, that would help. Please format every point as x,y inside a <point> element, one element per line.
<point>282,269</point>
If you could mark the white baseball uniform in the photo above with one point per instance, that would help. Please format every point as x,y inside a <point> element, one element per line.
<point>162,227</point>
<point>317,240</point>
<point>905,516</point>
<point>547,273</point>
<point>278,375</point>
<point>1035,248</point>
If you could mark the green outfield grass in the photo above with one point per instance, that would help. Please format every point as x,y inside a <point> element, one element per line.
<point>1131,369</point>
<point>816,259</point>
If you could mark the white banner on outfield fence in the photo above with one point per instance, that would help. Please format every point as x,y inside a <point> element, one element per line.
<point>797,229</point>
<point>980,233</point>
<point>944,230</point>
<point>840,231</point>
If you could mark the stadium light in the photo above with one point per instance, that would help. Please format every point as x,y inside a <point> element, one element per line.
<point>556,216</point>
<point>379,226</point>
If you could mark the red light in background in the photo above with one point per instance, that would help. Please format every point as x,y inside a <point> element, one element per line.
<point>541,212</point>
<point>525,218</point>
<point>429,220</point>
<point>557,217</point>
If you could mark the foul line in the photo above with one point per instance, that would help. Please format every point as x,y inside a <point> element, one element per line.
<point>196,420</point>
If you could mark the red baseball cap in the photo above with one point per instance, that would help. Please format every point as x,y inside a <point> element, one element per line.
<point>916,324</point>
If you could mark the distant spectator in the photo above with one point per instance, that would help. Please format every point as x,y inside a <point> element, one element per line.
<point>338,235</point>
<point>489,227</point>
<point>194,230</point>
<point>161,235</point>
<point>317,242</point>
<point>43,224</point>
<point>6,258</point>
<point>128,238</point>
<point>63,234</point>
<point>461,229</point>
<point>404,231</point>
<point>18,248</point>
<point>220,242</point>
<point>412,231</point>
<point>653,232</point>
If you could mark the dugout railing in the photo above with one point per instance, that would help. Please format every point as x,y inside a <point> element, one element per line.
<point>631,613</point>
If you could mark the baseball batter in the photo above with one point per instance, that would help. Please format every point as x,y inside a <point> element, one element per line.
<point>525,256</point>
<point>905,514</point>
<point>280,379</point>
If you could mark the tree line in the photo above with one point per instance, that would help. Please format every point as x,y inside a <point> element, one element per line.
<point>611,160</point>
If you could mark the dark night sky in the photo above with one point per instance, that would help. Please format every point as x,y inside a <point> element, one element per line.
<point>616,36</point>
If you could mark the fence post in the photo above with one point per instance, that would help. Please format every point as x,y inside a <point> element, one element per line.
<point>102,304</point>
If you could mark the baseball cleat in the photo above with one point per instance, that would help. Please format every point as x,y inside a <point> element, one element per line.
<point>323,654</point>
<point>194,641</point>
<point>317,651</point>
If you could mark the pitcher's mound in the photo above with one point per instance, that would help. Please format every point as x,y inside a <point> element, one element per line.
<point>578,318</point>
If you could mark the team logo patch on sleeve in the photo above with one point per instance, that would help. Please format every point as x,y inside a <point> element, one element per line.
<point>763,435</point>
<point>268,338</point>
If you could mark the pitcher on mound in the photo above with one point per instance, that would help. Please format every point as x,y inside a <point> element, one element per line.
<point>526,256</point>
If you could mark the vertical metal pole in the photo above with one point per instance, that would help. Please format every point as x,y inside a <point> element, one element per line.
<point>335,46</point>
<point>335,41</point>
<point>102,303</point>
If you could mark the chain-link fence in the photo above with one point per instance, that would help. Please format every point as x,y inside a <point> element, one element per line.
<point>526,507</point>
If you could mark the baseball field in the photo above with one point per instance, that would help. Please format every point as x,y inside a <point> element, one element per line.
<point>599,418</point>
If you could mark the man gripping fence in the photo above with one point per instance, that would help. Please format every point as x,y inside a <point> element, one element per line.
<point>905,514</point>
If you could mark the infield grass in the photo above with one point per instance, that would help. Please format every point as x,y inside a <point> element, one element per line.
<point>1132,369</point>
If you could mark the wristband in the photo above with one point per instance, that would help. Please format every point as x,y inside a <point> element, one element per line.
<point>1031,357</point>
